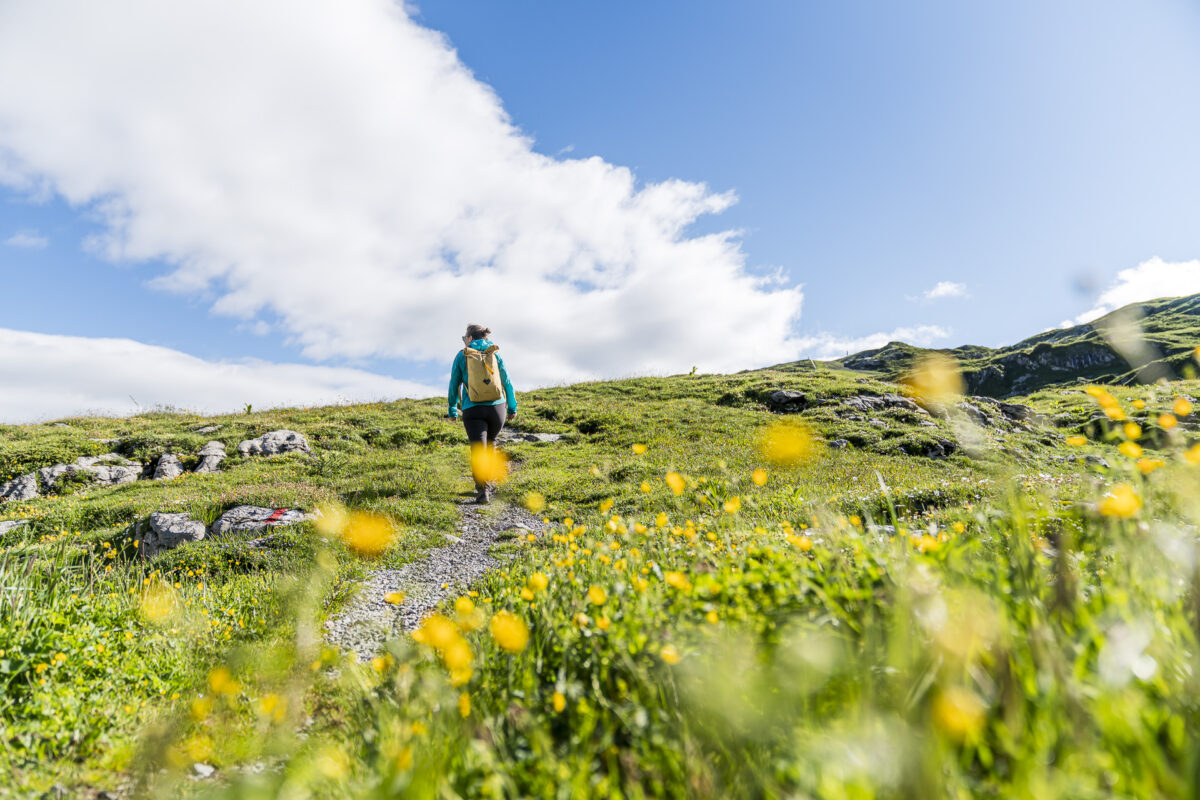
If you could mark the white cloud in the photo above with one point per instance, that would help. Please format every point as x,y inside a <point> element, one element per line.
<point>338,170</point>
<point>1149,280</point>
<point>46,376</point>
<point>945,289</point>
<point>826,346</point>
<point>28,239</point>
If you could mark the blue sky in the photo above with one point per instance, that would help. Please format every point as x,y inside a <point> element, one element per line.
<point>1027,151</point>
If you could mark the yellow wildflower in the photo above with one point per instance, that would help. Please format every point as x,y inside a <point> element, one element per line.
<point>1139,404</point>
<point>785,443</point>
<point>538,581</point>
<point>535,502</point>
<point>221,681</point>
<point>645,487</point>
<point>464,704</point>
<point>488,464</point>
<point>936,378</point>
<point>1122,501</point>
<point>1148,465</point>
<point>1132,430</point>
<point>638,449</point>
<point>1182,407</point>
<point>559,702</point>
<point>368,534</point>
<point>733,505</point>
<point>1076,440</point>
<point>510,631</point>
<point>959,713</point>
<point>759,477</point>
<point>669,654</point>
<point>678,580</point>
<point>1130,449</point>
<point>394,598</point>
<point>1167,421</point>
<point>711,617</point>
<point>596,595</point>
<point>676,482</point>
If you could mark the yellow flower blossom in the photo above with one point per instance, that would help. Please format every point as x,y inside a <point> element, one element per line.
<point>785,444</point>
<point>676,482</point>
<point>1121,501</point>
<point>669,654</point>
<point>733,505</point>
<point>711,617</point>
<point>538,581</point>
<point>678,580</point>
<point>605,505</point>
<point>661,521</point>
<point>1167,421</point>
<point>1139,404</point>
<point>368,534</point>
<point>331,519</point>
<point>1148,465</point>
<point>1182,407</point>
<point>596,595</point>
<point>1076,440</point>
<point>559,702</point>
<point>535,502</point>
<point>221,681</point>
<point>645,487</point>
<point>959,713</point>
<point>1192,454</point>
<point>1132,430</point>
<point>759,477</point>
<point>488,464</point>
<point>639,449</point>
<point>1130,449</point>
<point>464,704</point>
<point>394,598</point>
<point>510,631</point>
<point>936,378</point>
<point>1114,413</point>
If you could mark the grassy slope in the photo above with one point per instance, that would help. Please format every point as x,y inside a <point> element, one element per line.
<point>123,683</point>
<point>1170,326</point>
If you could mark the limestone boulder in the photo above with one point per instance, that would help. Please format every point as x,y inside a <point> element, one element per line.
<point>275,442</point>
<point>211,456</point>
<point>255,518</point>
<point>169,466</point>
<point>12,524</point>
<point>21,488</point>
<point>165,531</point>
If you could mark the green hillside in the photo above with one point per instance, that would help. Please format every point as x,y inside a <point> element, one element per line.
<point>1167,333</point>
<point>795,582</point>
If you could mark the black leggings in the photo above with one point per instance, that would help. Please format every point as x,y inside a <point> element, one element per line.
<point>484,423</point>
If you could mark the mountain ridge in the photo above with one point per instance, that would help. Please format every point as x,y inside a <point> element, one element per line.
<point>1138,343</point>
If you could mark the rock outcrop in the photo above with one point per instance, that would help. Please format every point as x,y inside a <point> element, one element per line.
<point>164,531</point>
<point>255,518</point>
<point>24,487</point>
<point>211,456</point>
<point>275,442</point>
<point>169,466</point>
<point>12,524</point>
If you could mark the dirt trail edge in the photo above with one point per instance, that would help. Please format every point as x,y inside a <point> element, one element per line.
<point>367,622</point>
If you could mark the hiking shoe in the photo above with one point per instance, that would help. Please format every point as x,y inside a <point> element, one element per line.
<point>484,496</point>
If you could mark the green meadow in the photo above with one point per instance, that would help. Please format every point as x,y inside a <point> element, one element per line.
<point>727,602</point>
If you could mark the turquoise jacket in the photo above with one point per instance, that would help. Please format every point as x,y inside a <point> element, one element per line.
<point>458,382</point>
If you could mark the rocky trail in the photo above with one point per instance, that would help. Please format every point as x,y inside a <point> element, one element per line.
<point>369,620</point>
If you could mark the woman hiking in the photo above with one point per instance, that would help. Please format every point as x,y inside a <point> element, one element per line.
<point>479,385</point>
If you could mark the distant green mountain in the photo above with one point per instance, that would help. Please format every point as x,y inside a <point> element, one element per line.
<point>1141,342</point>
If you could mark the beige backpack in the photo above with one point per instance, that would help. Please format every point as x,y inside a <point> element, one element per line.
<point>483,375</point>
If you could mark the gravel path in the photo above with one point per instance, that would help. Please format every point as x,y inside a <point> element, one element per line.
<point>368,622</point>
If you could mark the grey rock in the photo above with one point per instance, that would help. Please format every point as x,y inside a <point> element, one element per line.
<point>203,770</point>
<point>523,436</point>
<point>211,456</point>
<point>105,441</point>
<point>275,442</point>
<point>974,414</point>
<point>114,476</point>
<point>878,423</point>
<point>11,525</point>
<point>867,403</point>
<point>110,469</point>
<point>21,488</point>
<point>108,459</point>
<point>787,401</point>
<point>839,444</point>
<point>59,425</point>
<point>169,466</point>
<point>255,518</point>
<point>207,429</point>
<point>164,531</point>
